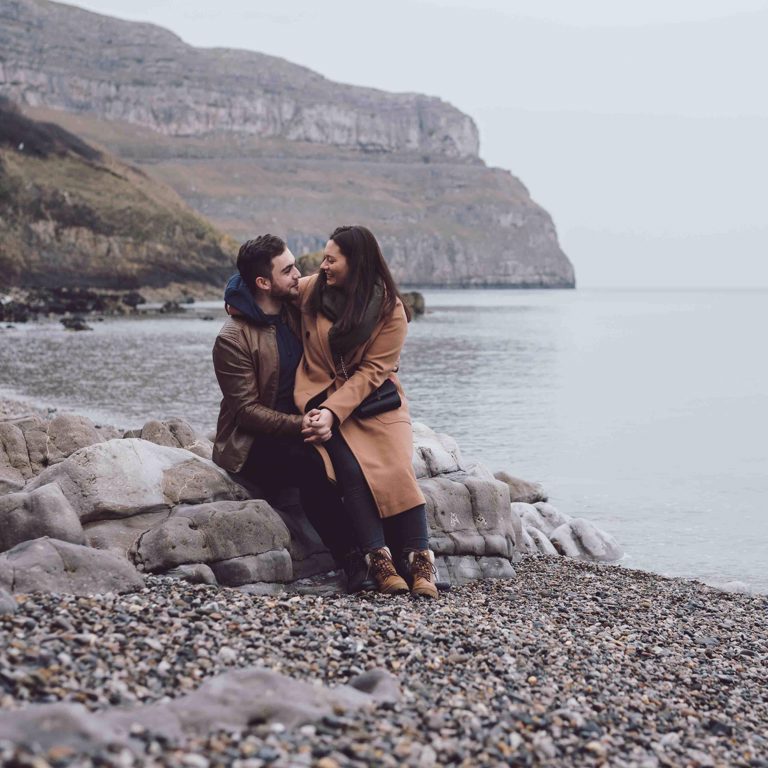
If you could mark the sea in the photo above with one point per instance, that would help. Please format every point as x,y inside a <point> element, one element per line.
<point>645,411</point>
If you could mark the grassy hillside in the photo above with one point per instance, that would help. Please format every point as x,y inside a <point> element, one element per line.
<point>73,215</point>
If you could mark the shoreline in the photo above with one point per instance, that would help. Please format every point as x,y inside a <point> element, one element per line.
<point>569,663</point>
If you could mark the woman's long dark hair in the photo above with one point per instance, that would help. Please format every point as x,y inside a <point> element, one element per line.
<point>366,265</point>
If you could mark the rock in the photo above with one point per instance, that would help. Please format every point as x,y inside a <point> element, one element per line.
<point>580,538</point>
<point>158,433</point>
<point>68,433</point>
<point>35,431</point>
<point>209,533</point>
<point>433,454</point>
<point>76,323</point>
<point>541,543</point>
<point>126,477</point>
<point>551,515</point>
<point>522,490</point>
<point>274,566</point>
<point>14,456</point>
<point>44,511</point>
<point>194,573</point>
<point>174,433</point>
<point>53,566</point>
<point>232,701</point>
<point>11,480</point>
<point>8,604</point>
<point>530,517</point>
<point>119,536</point>
<point>463,570</point>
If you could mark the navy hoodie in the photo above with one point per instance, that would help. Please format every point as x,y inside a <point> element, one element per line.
<point>289,349</point>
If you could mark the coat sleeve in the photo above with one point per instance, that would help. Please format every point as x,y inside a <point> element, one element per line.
<point>239,386</point>
<point>380,359</point>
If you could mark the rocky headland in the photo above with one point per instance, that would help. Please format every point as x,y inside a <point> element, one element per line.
<point>73,217</point>
<point>152,612</point>
<point>255,143</point>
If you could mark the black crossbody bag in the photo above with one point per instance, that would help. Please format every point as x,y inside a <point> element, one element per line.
<point>382,399</point>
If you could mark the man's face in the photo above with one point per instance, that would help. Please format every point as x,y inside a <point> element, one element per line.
<point>284,283</point>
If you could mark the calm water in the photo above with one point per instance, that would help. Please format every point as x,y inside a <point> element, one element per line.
<point>646,412</point>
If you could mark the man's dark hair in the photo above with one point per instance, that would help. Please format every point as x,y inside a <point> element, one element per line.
<point>255,257</point>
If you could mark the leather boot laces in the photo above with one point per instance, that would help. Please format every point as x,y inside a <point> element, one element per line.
<point>421,567</point>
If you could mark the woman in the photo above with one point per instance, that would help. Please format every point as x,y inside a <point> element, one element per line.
<point>353,328</point>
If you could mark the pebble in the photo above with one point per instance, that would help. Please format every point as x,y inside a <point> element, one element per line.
<point>571,664</point>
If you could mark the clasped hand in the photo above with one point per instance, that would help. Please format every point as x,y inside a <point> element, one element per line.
<point>316,426</point>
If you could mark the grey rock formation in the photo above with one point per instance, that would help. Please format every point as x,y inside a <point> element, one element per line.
<point>522,490</point>
<point>44,511</point>
<point>15,467</point>
<point>581,538</point>
<point>194,573</point>
<point>121,478</point>
<point>207,533</point>
<point>50,565</point>
<point>231,701</point>
<point>175,433</point>
<point>146,75</point>
<point>274,566</point>
<point>253,142</point>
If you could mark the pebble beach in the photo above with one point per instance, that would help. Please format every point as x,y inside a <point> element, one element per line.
<point>568,664</point>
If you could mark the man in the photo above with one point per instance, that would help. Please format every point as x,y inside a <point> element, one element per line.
<point>258,435</point>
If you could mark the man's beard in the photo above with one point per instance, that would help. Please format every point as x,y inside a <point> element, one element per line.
<point>283,294</point>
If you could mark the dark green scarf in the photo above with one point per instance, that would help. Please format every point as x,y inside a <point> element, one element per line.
<point>333,304</point>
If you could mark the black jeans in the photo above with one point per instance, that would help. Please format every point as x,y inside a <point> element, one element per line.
<point>406,532</point>
<point>276,465</point>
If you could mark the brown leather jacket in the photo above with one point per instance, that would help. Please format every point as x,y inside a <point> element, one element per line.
<point>246,362</point>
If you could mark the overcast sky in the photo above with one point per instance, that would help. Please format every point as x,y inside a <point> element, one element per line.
<point>641,125</point>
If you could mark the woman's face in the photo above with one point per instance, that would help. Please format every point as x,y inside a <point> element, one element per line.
<point>334,265</point>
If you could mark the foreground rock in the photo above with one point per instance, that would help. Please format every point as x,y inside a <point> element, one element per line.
<point>231,701</point>
<point>570,664</point>
<point>49,565</point>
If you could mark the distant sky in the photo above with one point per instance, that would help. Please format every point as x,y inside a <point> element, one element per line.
<point>641,125</point>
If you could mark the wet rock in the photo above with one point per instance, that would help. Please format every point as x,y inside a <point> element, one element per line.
<point>522,490</point>
<point>44,511</point>
<point>209,533</point>
<point>126,477</point>
<point>50,565</point>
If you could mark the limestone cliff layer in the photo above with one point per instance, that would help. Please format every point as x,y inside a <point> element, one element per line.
<point>256,144</point>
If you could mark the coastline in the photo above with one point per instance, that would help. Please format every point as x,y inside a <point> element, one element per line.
<point>570,663</point>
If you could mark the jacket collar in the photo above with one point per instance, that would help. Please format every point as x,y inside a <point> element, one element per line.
<point>238,296</point>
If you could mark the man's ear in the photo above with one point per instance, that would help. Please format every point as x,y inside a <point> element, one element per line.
<point>263,283</point>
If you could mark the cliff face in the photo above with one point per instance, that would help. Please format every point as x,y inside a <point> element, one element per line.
<point>258,144</point>
<point>71,215</point>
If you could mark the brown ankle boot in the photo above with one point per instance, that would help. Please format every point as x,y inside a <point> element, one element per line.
<point>423,573</point>
<point>384,573</point>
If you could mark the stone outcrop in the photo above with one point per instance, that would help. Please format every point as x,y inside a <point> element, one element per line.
<point>231,701</point>
<point>145,501</point>
<point>255,143</point>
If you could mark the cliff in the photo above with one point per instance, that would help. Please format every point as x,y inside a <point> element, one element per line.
<point>72,215</point>
<point>256,143</point>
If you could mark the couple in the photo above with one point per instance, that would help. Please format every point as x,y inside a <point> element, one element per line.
<point>295,360</point>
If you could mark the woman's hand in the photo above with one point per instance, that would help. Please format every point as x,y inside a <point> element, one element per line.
<point>317,425</point>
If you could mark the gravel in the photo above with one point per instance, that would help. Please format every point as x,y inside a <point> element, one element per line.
<point>569,664</point>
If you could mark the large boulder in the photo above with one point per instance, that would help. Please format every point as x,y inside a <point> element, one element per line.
<point>53,566</point>
<point>273,567</point>
<point>433,453</point>
<point>44,511</point>
<point>68,433</point>
<point>119,536</point>
<point>8,603</point>
<point>208,533</point>
<point>121,478</point>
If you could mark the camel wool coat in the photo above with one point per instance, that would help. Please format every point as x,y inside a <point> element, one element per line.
<point>383,444</point>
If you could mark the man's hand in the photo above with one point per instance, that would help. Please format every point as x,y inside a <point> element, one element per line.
<point>316,426</point>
